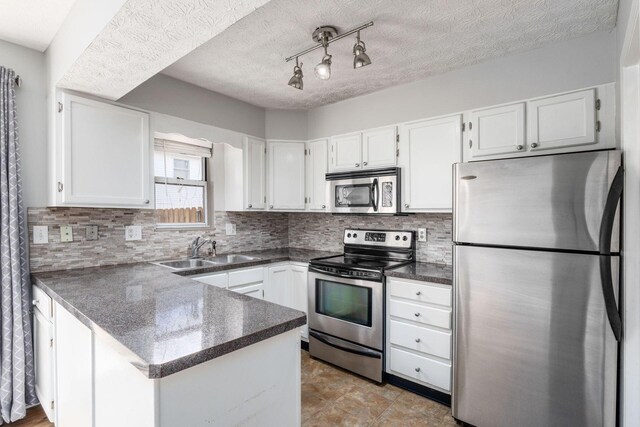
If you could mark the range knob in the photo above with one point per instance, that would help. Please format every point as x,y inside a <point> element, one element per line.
<point>404,238</point>
<point>355,235</point>
<point>348,234</point>
<point>397,237</point>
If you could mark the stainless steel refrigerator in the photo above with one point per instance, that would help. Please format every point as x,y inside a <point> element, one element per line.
<point>536,273</point>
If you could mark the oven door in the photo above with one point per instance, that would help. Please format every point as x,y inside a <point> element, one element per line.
<point>364,195</point>
<point>346,308</point>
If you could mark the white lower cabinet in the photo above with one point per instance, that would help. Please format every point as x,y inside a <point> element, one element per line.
<point>247,281</point>
<point>419,332</point>
<point>44,360</point>
<point>287,285</point>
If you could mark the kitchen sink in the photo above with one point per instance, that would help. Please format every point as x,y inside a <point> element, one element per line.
<point>232,259</point>
<point>183,264</point>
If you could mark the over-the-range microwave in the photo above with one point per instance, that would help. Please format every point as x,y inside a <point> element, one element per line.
<point>375,191</point>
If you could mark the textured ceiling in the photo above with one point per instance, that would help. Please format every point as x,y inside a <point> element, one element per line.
<point>144,37</point>
<point>411,39</point>
<point>32,23</point>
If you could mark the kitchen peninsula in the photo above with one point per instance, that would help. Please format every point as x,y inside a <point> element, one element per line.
<point>137,343</point>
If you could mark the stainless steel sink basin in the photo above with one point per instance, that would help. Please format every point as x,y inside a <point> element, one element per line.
<point>183,264</point>
<point>232,259</point>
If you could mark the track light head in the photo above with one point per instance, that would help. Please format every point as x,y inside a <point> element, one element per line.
<point>360,58</point>
<point>323,69</point>
<point>296,80</point>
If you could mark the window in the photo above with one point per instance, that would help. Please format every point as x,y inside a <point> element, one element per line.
<point>181,181</point>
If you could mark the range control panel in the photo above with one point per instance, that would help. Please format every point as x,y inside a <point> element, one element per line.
<point>396,239</point>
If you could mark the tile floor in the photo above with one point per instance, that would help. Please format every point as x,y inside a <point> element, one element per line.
<point>333,397</point>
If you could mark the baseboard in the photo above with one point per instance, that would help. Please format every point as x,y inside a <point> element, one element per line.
<point>419,389</point>
<point>304,345</point>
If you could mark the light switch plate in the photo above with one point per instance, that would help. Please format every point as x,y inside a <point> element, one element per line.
<point>133,232</point>
<point>40,234</point>
<point>91,232</point>
<point>422,234</point>
<point>230,229</point>
<point>66,234</point>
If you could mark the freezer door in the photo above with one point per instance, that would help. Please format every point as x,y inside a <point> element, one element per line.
<point>533,346</point>
<point>542,202</point>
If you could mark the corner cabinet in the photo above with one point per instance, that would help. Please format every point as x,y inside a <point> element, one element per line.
<point>371,149</point>
<point>427,151</point>
<point>101,155</point>
<point>286,173</point>
<point>255,152</point>
<point>316,169</point>
<point>287,285</point>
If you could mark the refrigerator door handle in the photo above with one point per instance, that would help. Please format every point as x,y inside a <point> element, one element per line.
<point>606,229</point>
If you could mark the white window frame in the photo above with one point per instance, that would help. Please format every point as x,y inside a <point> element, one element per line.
<point>188,183</point>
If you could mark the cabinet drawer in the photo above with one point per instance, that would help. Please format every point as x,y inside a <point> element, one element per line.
<point>42,301</point>
<point>421,314</point>
<point>421,339</point>
<point>244,277</point>
<point>255,290</point>
<point>421,368</point>
<point>219,280</point>
<point>420,292</point>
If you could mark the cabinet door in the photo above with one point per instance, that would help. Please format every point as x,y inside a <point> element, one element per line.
<point>286,175</point>
<point>379,148</point>
<point>105,155</point>
<point>299,291</point>
<point>498,130</point>
<point>277,287</point>
<point>346,152</point>
<point>43,346</point>
<point>562,121</point>
<point>315,174</point>
<point>255,165</point>
<point>74,370</point>
<point>428,149</point>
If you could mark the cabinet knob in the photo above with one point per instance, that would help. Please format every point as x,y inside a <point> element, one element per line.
<point>35,302</point>
<point>417,369</point>
<point>519,147</point>
<point>406,205</point>
<point>250,206</point>
<point>417,314</point>
<point>324,206</point>
<point>357,165</point>
<point>60,187</point>
<point>364,163</point>
<point>270,206</point>
<point>146,202</point>
<point>417,339</point>
<point>418,293</point>
<point>534,144</point>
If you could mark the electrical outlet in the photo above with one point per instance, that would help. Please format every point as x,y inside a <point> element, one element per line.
<point>230,229</point>
<point>66,234</point>
<point>40,234</point>
<point>422,234</point>
<point>133,232</point>
<point>91,232</point>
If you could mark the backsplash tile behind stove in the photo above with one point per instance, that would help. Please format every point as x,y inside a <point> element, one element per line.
<point>255,231</point>
<point>324,231</point>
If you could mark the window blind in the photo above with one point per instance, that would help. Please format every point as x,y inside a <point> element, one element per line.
<point>179,144</point>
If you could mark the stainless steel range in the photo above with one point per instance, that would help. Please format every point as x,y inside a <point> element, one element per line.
<point>346,299</point>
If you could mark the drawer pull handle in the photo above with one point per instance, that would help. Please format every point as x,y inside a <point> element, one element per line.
<point>417,339</point>
<point>417,369</point>
<point>418,293</point>
<point>417,314</point>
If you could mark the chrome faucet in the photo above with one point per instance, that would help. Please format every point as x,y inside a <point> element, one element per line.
<point>197,243</point>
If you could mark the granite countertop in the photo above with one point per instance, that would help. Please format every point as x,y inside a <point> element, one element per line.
<point>424,271</point>
<point>162,322</point>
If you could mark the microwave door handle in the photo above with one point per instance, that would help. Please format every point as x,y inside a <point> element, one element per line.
<point>375,194</point>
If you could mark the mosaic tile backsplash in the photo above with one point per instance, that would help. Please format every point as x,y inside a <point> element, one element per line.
<point>255,231</point>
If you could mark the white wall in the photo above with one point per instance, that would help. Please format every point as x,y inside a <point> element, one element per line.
<point>559,67</point>
<point>173,97</point>
<point>32,118</point>
<point>286,124</point>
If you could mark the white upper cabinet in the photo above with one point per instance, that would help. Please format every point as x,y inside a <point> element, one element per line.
<point>562,121</point>
<point>428,149</point>
<point>316,169</point>
<point>255,174</point>
<point>346,152</point>
<point>498,130</point>
<point>286,174</point>
<point>102,155</point>
<point>379,148</point>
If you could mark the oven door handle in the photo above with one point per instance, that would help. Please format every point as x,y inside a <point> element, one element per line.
<point>375,194</point>
<point>333,342</point>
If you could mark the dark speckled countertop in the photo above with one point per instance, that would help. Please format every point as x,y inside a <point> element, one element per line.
<point>164,323</point>
<point>424,271</point>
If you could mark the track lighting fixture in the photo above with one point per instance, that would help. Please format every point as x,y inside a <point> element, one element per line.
<point>296,80</point>
<point>360,58</point>
<point>323,36</point>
